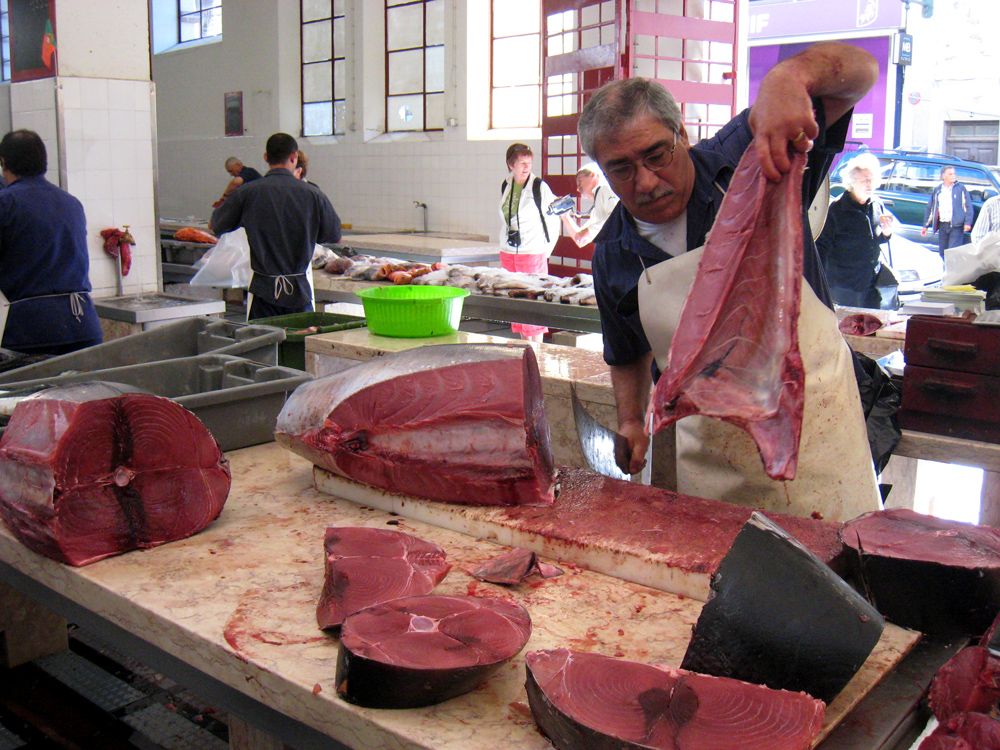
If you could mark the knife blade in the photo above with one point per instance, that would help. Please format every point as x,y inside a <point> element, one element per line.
<point>599,444</point>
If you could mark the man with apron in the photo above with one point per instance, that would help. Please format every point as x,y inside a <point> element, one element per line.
<point>45,305</point>
<point>670,193</point>
<point>284,218</point>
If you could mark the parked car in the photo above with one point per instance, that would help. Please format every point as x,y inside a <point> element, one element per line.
<point>916,267</point>
<point>909,177</point>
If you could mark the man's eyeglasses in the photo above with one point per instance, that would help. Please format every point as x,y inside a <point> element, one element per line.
<point>653,161</point>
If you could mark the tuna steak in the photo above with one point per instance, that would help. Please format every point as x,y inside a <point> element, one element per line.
<point>779,617</point>
<point>423,650</point>
<point>735,355</point>
<point>370,566</point>
<point>90,470</point>
<point>926,573</point>
<point>968,681</point>
<point>459,423</point>
<point>965,732</point>
<point>582,700</point>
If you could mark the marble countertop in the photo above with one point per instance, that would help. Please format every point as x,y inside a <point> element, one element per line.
<point>238,602</point>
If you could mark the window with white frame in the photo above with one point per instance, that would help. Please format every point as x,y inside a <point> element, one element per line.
<point>324,72</point>
<point>414,64</point>
<point>515,64</point>
<point>4,42</point>
<point>198,19</point>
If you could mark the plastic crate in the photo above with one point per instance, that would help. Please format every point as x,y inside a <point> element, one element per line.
<point>237,400</point>
<point>413,311</point>
<point>185,338</point>
<point>292,351</point>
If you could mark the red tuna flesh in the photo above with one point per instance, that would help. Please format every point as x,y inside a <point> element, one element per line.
<point>927,573</point>
<point>88,471</point>
<point>513,567</point>
<point>968,681</point>
<point>965,732</point>
<point>735,355</point>
<point>860,324</point>
<point>369,566</point>
<point>422,650</point>
<point>459,423</point>
<point>588,700</point>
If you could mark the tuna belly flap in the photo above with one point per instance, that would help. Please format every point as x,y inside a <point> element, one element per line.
<point>754,365</point>
<point>464,434</point>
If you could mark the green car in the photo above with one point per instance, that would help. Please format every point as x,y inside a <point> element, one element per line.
<point>909,177</point>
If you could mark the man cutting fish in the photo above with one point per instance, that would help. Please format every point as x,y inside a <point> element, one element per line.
<point>670,193</point>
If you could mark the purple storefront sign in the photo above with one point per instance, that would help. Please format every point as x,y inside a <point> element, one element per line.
<point>868,125</point>
<point>781,19</point>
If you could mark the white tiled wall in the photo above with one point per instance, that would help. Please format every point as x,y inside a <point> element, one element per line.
<point>33,106</point>
<point>108,140</point>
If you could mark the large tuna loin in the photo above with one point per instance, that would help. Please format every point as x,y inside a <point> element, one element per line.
<point>89,470</point>
<point>422,650</point>
<point>780,617</point>
<point>370,566</point>
<point>582,700</point>
<point>926,573</point>
<point>459,423</point>
<point>968,681</point>
<point>735,355</point>
<point>970,731</point>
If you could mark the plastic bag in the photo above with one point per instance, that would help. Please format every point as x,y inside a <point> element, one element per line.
<point>967,263</point>
<point>880,400</point>
<point>227,264</point>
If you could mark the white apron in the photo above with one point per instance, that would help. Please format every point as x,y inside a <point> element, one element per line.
<point>717,460</point>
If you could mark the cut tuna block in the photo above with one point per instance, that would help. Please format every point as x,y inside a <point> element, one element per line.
<point>369,566</point>
<point>926,573</point>
<point>735,355</point>
<point>422,650</point>
<point>582,700</point>
<point>780,617</point>
<point>91,470</point>
<point>459,423</point>
<point>969,731</point>
<point>968,681</point>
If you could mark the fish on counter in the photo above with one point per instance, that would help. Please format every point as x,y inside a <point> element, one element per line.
<point>421,650</point>
<point>365,566</point>
<point>95,469</point>
<point>193,234</point>
<point>586,700</point>
<point>458,423</point>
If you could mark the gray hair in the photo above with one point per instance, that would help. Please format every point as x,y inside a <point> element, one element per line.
<point>231,161</point>
<point>618,102</point>
<point>863,162</point>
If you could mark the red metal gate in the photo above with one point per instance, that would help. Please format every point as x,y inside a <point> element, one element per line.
<point>690,46</point>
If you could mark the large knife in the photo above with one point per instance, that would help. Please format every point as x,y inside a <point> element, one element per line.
<point>599,444</point>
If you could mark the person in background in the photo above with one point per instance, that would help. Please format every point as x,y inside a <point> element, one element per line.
<point>856,228</point>
<point>527,233</point>
<point>602,200</point>
<point>44,263</point>
<point>241,175</point>
<point>949,212</point>
<point>284,219</point>
<point>302,167</point>
<point>988,219</point>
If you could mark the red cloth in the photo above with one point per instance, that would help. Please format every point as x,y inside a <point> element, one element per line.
<point>525,263</point>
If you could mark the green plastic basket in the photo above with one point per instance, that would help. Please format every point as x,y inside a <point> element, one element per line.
<point>292,351</point>
<point>413,311</point>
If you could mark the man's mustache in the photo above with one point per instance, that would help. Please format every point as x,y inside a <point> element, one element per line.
<point>660,192</point>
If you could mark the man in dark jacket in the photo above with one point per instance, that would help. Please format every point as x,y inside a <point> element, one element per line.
<point>284,218</point>
<point>949,212</point>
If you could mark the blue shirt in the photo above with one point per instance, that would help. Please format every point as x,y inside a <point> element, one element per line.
<point>43,260</point>
<point>621,252</point>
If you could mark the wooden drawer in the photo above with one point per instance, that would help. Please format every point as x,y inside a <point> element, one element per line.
<point>952,344</point>
<point>959,404</point>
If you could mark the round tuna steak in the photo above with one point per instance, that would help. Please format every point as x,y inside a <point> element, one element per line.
<point>582,700</point>
<point>370,566</point>
<point>422,650</point>
<point>88,471</point>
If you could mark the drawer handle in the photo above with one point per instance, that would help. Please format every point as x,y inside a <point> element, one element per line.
<point>953,347</point>
<point>944,388</point>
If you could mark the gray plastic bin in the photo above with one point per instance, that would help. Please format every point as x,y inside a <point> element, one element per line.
<point>238,400</point>
<point>185,338</point>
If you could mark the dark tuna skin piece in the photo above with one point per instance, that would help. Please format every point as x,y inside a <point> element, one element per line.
<point>779,617</point>
<point>92,470</point>
<point>936,576</point>
<point>582,700</point>
<point>422,650</point>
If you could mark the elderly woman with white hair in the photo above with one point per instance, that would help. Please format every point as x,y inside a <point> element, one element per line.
<point>856,228</point>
